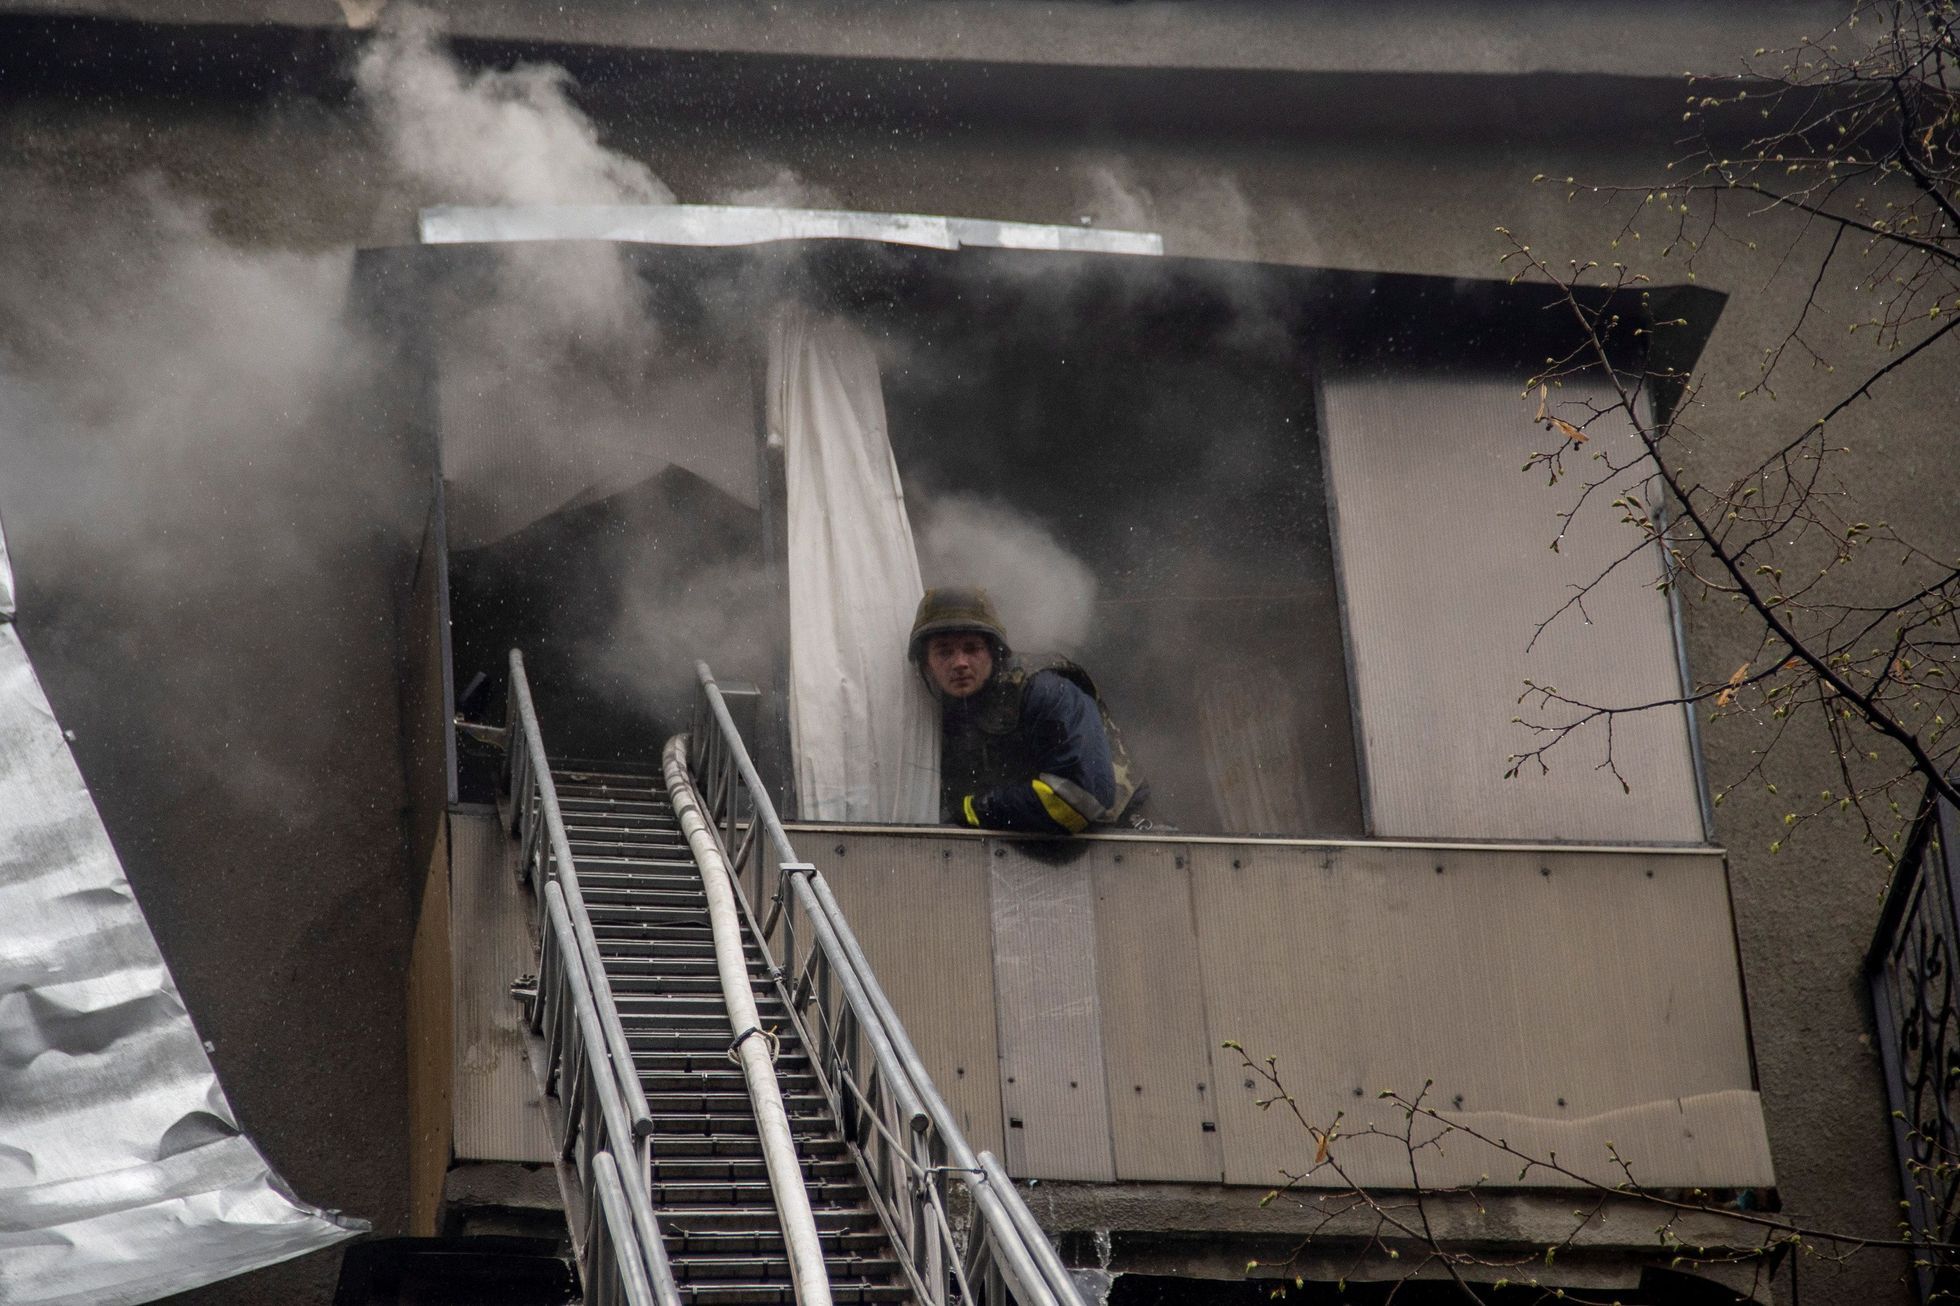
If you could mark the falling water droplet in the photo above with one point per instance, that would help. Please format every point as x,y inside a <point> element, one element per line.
<point>1094,1284</point>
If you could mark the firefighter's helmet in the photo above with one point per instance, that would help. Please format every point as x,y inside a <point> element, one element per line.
<point>952,609</point>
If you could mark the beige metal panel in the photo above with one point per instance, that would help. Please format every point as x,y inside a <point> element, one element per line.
<point>1053,1084</point>
<point>1156,1048</point>
<point>497,1113</point>
<point>919,906</point>
<point>1677,1143</point>
<point>431,1045</point>
<point>1563,993</point>
<point>1440,616</point>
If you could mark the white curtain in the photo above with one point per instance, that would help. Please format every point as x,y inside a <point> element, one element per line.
<point>862,725</point>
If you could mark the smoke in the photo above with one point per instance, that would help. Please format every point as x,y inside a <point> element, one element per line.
<point>1045,594</point>
<point>556,382</point>
<point>189,398</point>
<point>1112,197</point>
<point>510,137</point>
<point>672,614</point>
<point>782,188</point>
<point>491,137</point>
<point>562,386</point>
<point>1201,212</point>
<point>174,423</point>
<point>186,411</point>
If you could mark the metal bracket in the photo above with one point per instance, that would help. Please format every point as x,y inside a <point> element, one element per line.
<point>495,736</point>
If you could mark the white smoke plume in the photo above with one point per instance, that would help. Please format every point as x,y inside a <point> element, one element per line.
<point>1045,594</point>
<point>556,383</point>
<point>181,404</point>
<point>1198,211</point>
<point>783,188</point>
<point>497,136</point>
<point>1113,197</point>
<point>510,137</point>
<point>174,417</point>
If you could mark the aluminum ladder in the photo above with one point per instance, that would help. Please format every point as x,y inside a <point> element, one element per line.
<point>826,1168</point>
<point>649,914</point>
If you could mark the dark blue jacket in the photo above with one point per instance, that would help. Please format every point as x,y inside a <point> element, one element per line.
<point>1028,752</point>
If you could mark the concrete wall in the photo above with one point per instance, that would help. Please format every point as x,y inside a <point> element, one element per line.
<point>289,925</point>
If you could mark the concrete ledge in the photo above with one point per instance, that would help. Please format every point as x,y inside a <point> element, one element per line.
<point>1488,37</point>
<point>1225,1233</point>
<point>502,1198</point>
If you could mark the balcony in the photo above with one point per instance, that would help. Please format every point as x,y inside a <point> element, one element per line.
<point>1074,1001</point>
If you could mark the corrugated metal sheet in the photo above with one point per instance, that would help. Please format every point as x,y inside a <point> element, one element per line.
<point>1439,619</point>
<point>919,905</point>
<point>1574,995</point>
<point>1051,1059</point>
<point>497,1115</point>
<point>1155,1043</point>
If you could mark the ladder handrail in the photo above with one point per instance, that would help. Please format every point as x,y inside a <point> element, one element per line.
<point>607,1123</point>
<point>638,1256</point>
<point>564,871</point>
<point>1006,1226</point>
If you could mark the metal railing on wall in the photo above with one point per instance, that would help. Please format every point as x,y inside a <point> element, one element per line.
<point>1914,972</point>
<point>903,1134</point>
<point>599,1109</point>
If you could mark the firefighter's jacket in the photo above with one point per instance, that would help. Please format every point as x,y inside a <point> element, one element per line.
<point>1033,751</point>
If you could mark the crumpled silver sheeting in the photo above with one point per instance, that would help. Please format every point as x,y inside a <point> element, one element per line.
<point>123,1175</point>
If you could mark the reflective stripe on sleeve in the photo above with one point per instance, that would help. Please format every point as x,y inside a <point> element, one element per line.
<point>972,817</point>
<point>1079,799</point>
<point>1059,810</point>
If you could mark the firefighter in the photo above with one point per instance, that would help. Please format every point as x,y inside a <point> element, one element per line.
<point>1023,746</point>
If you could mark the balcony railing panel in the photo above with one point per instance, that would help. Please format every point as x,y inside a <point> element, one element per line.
<point>1074,999</point>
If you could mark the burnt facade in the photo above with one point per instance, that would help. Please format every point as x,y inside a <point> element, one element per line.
<point>1309,164</point>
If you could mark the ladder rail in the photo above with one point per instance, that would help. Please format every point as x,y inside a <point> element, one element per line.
<point>1005,1246</point>
<point>621,1254</point>
<point>534,803</point>
<point>590,1068</point>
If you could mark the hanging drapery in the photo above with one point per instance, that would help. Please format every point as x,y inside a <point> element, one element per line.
<point>124,1175</point>
<point>862,725</point>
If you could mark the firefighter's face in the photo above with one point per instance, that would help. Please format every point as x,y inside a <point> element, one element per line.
<point>959,663</point>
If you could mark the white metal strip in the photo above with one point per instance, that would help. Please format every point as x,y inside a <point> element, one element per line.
<point>731,224</point>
